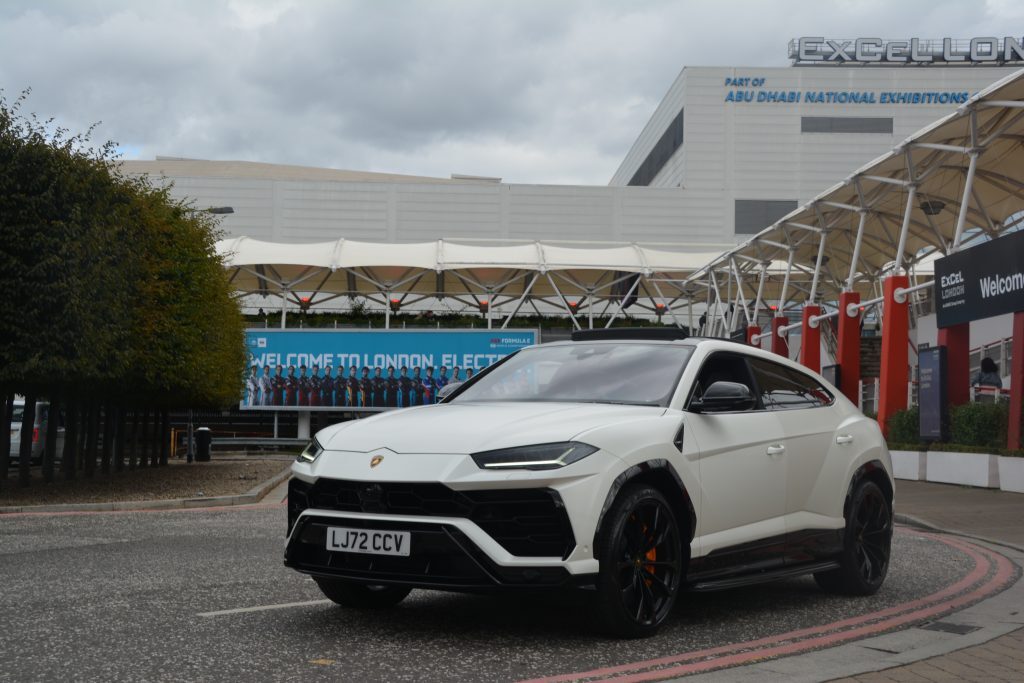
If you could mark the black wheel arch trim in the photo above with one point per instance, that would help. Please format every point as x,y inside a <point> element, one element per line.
<point>870,471</point>
<point>638,470</point>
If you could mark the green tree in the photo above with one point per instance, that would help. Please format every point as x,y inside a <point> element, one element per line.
<point>114,295</point>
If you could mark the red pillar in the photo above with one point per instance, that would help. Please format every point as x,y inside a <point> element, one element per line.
<point>892,390</point>
<point>957,340</point>
<point>751,331</point>
<point>780,345</point>
<point>848,353</point>
<point>1016,383</point>
<point>810,340</point>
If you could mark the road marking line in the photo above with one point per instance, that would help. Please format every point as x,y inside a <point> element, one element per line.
<point>263,608</point>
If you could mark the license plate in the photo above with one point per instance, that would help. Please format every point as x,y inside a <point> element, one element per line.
<point>368,541</point>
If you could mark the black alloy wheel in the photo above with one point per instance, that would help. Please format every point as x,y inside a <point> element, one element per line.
<point>359,595</point>
<point>867,545</point>
<point>641,560</point>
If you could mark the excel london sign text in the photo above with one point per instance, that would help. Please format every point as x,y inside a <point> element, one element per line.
<point>980,282</point>
<point>990,50</point>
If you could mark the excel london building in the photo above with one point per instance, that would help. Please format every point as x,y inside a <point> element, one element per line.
<point>726,152</point>
<point>745,145</point>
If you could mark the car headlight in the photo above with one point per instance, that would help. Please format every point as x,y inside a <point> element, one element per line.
<point>545,456</point>
<point>311,452</point>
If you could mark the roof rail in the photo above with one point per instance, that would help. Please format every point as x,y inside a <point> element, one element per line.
<point>622,333</point>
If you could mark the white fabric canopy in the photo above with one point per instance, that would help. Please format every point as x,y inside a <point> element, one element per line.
<point>446,255</point>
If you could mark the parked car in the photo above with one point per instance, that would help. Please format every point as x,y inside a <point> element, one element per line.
<point>38,432</point>
<point>637,464</point>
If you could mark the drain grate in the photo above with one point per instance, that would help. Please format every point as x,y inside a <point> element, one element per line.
<point>949,627</point>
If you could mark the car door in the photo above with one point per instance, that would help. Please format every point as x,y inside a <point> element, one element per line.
<point>742,477</point>
<point>809,425</point>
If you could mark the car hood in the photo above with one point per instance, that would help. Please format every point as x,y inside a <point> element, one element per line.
<point>469,427</point>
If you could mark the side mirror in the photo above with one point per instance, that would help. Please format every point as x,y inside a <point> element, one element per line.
<point>724,397</point>
<point>447,390</point>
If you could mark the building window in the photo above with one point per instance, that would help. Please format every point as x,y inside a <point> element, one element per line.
<point>670,141</point>
<point>845,124</point>
<point>754,215</point>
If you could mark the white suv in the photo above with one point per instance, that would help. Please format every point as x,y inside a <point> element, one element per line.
<point>636,463</point>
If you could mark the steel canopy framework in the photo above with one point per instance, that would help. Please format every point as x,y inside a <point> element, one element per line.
<point>583,281</point>
<point>961,177</point>
<point>958,180</point>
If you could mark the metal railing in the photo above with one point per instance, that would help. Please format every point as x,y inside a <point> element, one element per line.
<point>867,393</point>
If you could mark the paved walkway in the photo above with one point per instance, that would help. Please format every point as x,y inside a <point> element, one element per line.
<point>982,513</point>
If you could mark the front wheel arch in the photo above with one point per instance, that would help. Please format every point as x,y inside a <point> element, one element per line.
<point>661,475</point>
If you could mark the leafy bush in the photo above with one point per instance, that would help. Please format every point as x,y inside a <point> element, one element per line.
<point>904,426</point>
<point>979,424</point>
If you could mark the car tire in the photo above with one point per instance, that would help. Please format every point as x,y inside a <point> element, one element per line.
<point>867,543</point>
<point>641,563</point>
<point>361,595</point>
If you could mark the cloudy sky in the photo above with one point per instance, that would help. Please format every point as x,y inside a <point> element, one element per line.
<point>540,91</point>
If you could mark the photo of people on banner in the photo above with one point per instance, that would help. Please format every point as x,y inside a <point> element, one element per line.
<point>367,369</point>
<point>347,388</point>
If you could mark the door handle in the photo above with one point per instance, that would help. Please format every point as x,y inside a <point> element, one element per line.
<point>844,439</point>
<point>775,449</point>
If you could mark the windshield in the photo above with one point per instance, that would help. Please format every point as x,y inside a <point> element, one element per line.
<point>633,374</point>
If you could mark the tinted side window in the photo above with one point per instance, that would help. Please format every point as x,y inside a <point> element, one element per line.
<point>783,388</point>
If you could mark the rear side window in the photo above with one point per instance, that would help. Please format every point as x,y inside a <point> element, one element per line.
<point>784,388</point>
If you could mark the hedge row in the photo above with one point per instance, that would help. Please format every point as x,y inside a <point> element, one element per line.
<point>972,427</point>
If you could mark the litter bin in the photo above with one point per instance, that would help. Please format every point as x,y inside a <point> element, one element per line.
<point>203,438</point>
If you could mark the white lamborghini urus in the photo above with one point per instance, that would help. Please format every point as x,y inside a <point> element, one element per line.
<point>636,463</point>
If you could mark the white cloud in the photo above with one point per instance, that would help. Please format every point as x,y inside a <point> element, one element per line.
<point>531,91</point>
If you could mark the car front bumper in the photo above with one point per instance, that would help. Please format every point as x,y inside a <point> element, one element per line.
<point>472,529</point>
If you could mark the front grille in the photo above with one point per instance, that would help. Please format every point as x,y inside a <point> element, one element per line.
<point>441,557</point>
<point>525,522</point>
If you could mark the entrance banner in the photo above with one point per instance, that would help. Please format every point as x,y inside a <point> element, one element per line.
<point>980,282</point>
<point>366,370</point>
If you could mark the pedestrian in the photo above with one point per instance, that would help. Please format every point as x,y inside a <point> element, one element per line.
<point>988,376</point>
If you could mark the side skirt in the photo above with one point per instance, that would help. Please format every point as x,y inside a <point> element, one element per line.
<point>790,554</point>
<point>763,577</point>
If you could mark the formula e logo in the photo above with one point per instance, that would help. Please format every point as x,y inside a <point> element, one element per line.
<point>956,278</point>
<point>510,341</point>
<point>376,460</point>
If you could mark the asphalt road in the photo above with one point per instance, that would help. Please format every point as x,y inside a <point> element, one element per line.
<point>120,597</point>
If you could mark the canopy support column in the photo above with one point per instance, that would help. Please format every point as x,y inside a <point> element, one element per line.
<point>848,351</point>
<point>957,338</point>
<point>905,229</point>
<point>713,319</point>
<point>568,310</point>
<point>810,344</point>
<point>522,298</point>
<point>622,303</point>
<point>892,394</point>
<point>863,219</point>
<point>1013,436</point>
<point>753,328</point>
<point>668,305</point>
<point>780,343</point>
